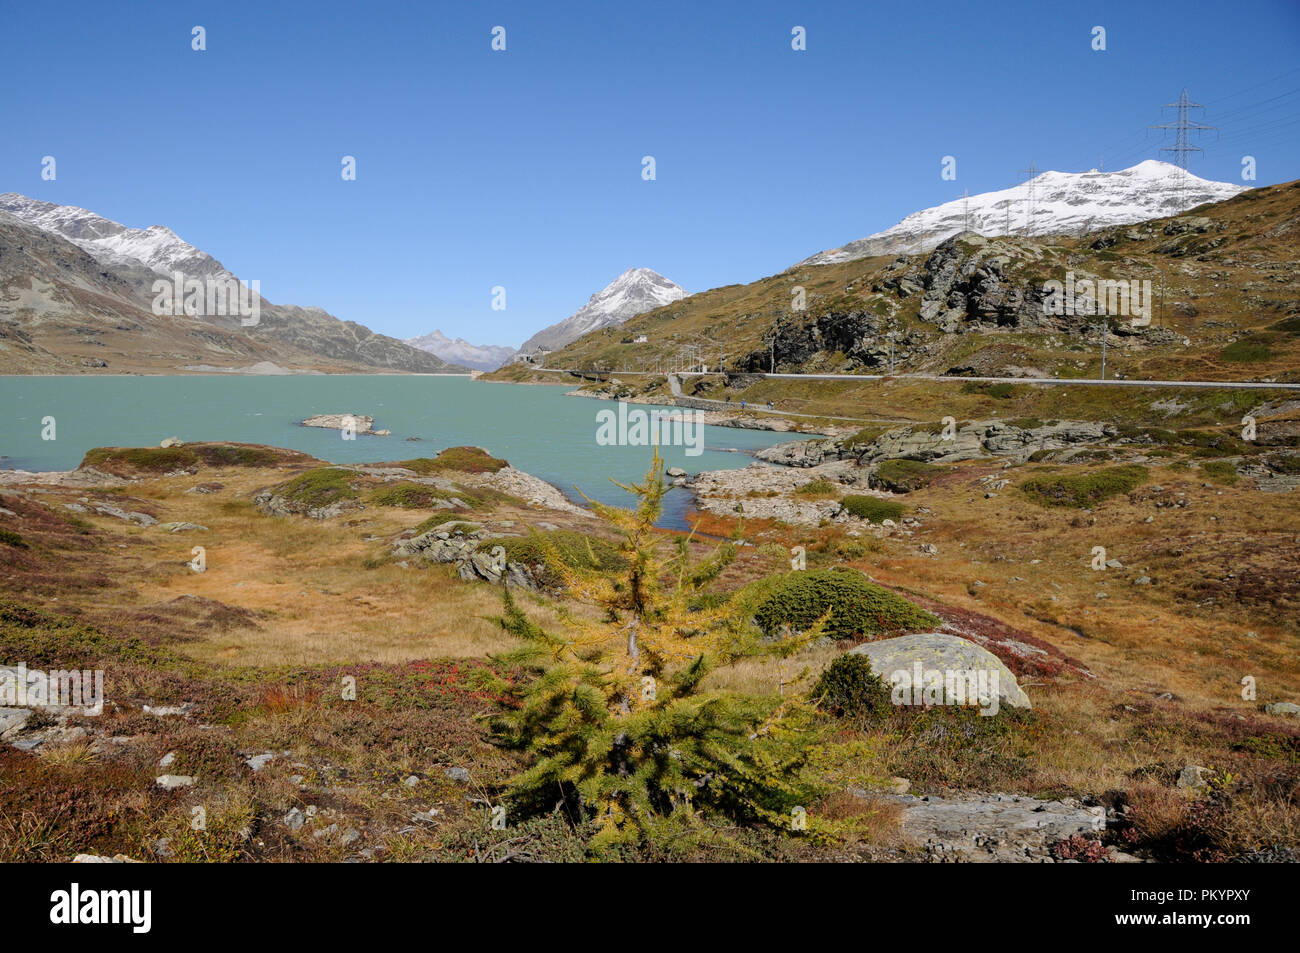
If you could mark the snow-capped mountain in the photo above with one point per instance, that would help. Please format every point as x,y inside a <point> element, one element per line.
<point>482,357</point>
<point>634,292</point>
<point>63,267</point>
<point>1060,203</point>
<point>156,247</point>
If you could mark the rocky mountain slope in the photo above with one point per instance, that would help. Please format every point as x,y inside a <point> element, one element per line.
<point>483,357</point>
<point>634,292</point>
<point>76,295</point>
<point>1219,285</point>
<point>1054,203</point>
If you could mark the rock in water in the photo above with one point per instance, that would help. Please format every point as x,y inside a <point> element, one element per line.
<point>357,423</point>
<point>897,661</point>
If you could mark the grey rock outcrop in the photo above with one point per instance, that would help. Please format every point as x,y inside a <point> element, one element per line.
<point>994,827</point>
<point>986,438</point>
<point>936,651</point>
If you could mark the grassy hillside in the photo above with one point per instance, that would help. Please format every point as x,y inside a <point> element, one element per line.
<point>1224,279</point>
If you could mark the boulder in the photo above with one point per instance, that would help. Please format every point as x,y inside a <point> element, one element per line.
<point>1283,708</point>
<point>12,720</point>
<point>896,661</point>
<point>171,781</point>
<point>1193,778</point>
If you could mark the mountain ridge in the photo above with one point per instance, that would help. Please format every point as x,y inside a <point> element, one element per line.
<point>482,357</point>
<point>55,296</point>
<point>634,292</point>
<point>1061,203</point>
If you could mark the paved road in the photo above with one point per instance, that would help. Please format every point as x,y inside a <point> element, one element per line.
<point>1054,381</point>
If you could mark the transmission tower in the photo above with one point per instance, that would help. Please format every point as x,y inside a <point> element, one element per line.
<point>1032,172</point>
<point>1181,148</point>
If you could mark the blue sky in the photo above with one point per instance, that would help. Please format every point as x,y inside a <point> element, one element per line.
<point>523,168</point>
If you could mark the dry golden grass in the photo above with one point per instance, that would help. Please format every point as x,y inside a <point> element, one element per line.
<point>303,577</point>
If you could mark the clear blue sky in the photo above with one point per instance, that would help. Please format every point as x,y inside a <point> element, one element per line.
<point>523,168</point>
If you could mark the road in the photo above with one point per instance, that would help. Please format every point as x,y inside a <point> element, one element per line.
<point>940,378</point>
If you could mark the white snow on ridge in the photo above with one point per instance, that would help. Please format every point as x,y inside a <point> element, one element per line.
<point>1062,203</point>
<point>634,292</point>
<point>483,357</point>
<point>156,247</point>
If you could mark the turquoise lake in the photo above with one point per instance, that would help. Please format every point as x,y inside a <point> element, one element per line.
<point>537,428</point>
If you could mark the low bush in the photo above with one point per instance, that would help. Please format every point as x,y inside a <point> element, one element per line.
<point>1220,471</point>
<point>459,459</point>
<point>319,487</point>
<point>904,476</point>
<point>1247,352</point>
<point>554,550</point>
<point>848,688</point>
<point>872,508</point>
<point>410,496</point>
<point>1085,489</point>
<point>821,488</point>
<point>857,607</point>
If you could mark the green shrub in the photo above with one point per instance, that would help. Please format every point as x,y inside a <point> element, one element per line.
<point>848,688</point>
<point>1286,463</point>
<point>548,553</point>
<point>411,496</point>
<point>320,487</point>
<point>904,476</point>
<point>124,460</point>
<point>1085,489</point>
<point>819,488</point>
<point>10,538</point>
<point>1002,391</point>
<point>459,459</point>
<point>863,437</point>
<point>857,607</point>
<point>871,508</point>
<point>1246,352</point>
<point>437,519</point>
<point>1220,471</point>
<point>235,455</point>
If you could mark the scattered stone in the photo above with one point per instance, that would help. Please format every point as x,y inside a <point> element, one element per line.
<point>411,781</point>
<point>1193,778</point>
<point>259,761</point>
<point>294,819</point>
<point>172,442</point>
<point>98,859</point>
<point>181,527</point>
<point>206,488</point>
<point>166,760</point>
<point>171,781</point>
<point>456,774</point>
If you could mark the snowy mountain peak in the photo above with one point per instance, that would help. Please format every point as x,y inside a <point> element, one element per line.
<point>1052,203</point>
<point>483,357</point>
<point>157,247</point>
<point>634,292</point>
